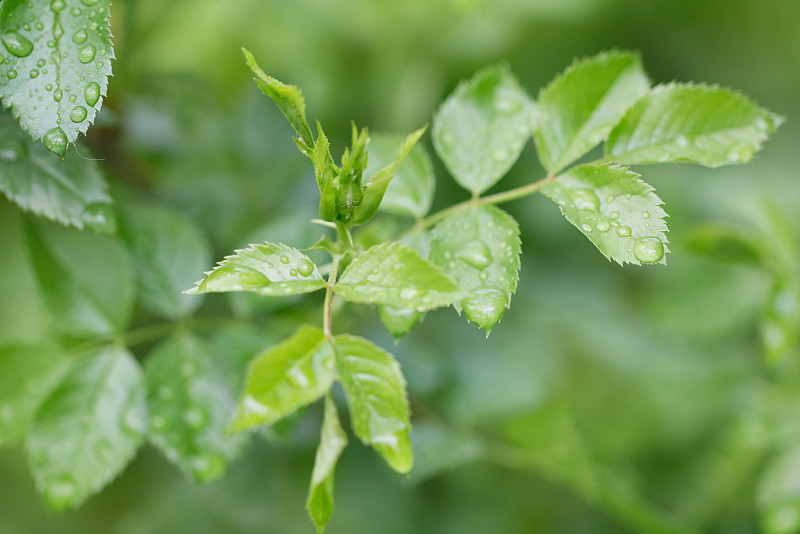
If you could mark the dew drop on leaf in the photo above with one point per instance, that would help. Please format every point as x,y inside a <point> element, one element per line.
<point>17,44</point>
<point>103,449</point>
<point>12,74</point>
<point>648,249</point>
<point>602,226</point>
<point>484,307</point>
<point>79,37</point>
<point>77,114</point>
<point>284,259</point>
<point>57,94</point>
<point>158,422</point>
<point>410,293</point>
<point>87,54</point>
<point>56,141</point>
<point>89,3</point>
<point>476,254</point>
<point>195,417</point>
<point>60,492</point>
<point>584,199</point>
<point>586,228</point>
<point>34,73</point>
<point>645,215</point>
<point>92,93</point>
<point>292,272</point>
<point>305,267</point>
<point>208,466</point>
<point>58,31</point>
<point>624,231</point>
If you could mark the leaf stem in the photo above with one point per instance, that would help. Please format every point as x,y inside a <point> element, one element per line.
<point>326,307</point>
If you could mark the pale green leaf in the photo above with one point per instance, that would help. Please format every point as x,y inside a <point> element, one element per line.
<point>86,280</point>
<point>267,269</point>
<point>168,252</point>
<point>57,63</point>
<point>778,494</point>
<point>376,393</point>
<point>411,190</point>
<point>482,127</point>
<point>333,440</point>
<point>190,400</point>
<point>480,248</point>
<point>615,209</point>
<point>726,244</point>
<point>27,376</point>
<point>72,192</point>
<point>703,124</point>
<point>581,106</point>
<point>284,378</point>
<point>89,428</point>
<point>393,274</point>
<point>288,98</point>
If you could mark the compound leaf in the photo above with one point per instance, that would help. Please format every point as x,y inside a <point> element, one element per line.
<point>697,123</point>
<point>27,375</point>
<point>190,399</point>
<point>72,192</point>
<point>615,209</point>
<point>333,440</point>
<point>288,98</point>
<point>393,274</point>
<point>482,127</point>
<point>267,269</point>
<point>89,428</point>
<point>86,279</point>
<point>284,378</point>
<point>581,106</point>
<point>376,393</point>
<point>58,60</point>
<point>411,190</point>
<point>480,248</point>
<point>167,252</point>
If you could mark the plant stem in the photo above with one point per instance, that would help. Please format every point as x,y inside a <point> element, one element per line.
<point>499,198</point>
<point>326,307</point>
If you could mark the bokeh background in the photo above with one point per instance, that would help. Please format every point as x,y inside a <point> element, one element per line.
<point>608,400</point>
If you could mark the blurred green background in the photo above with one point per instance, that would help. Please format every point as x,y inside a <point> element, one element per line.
<point>608,400</point>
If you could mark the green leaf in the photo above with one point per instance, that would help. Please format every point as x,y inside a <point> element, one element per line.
<point>581,106</point>
<point>393,274</point>
<point>480,248</point>
<point>482,127</point>
<point>438,449</point>
<point>190,400</point>
<point>616,210</point>
<point>411,190</point>
<point>284,378</point>
<point>167,252</point>
<point>780,322</point>
<point>288,98</point>
<point>333,440</point>
<point>86,279</point>
<point>375,188</point>
<point>72,192</point>
<point>267,269</point>
<point>399,321</point>
<point>27,376</point>
<point>778,495</point>
<point>376,393</point>
<point>89,428</point>
<point>687,122</point>
<point>57,65</point>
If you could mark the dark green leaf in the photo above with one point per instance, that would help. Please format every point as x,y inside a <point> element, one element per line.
<point>86,279</point>
<point>376,394</point>
<point>72,192</point>
<point>615,209</point>
<point>480,248</point>
<point>288,98</point>
<point>190,401</point>
<point>393,274</point>
<point>57,65</point>
<point>411,190</point>
<point>89,428</point>
<point>333,440</point>
<point>268,269</point>
<point>168,252</point>
<point>482,127</point>
<point>284,378</point>
<point>696,123</point>
<point>581,106</point>
<point>27,376</point>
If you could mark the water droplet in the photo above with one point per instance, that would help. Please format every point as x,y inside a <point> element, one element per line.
<point>58,31</point>
<point>292,272</point>
<point>615,215</point>
<point>158,422</point>
<point>87,54</point>
<point>506,105</point>
<point>484,275</point>
<point>195,417</point>
<point>34,73</point>
<point>476,254</point>
<point>740,154</point>
<point>72,98</point>
<point>586,228</point>
<point>624,231</point>
<point>485,307</point>
<point>645,215</point>
<point>103,450</point>
<point>682,141</point>
<point>234,279</point>
<point>602,226</point>
<point>133,422</point>
<point>17,44</point>
<point>40,63</point>
<point>208,466</point>
<point>92,93</point>
<point>609,199</point>
<point>284,259</point>
<point>39,26</point>
<point>57,6</point>
<point>410,293</point>
<point>584,199</point>
<point>305,267</point>
<point>89,3</point>
<point>56,141</point>
<point>79,37</point>
<point>75,12</point>
<point>648,249</point>
<point>60,492</point>
<point>500,155</point>
<point>12,74</point>
<point>57,94</point>
<point>77,114</point>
